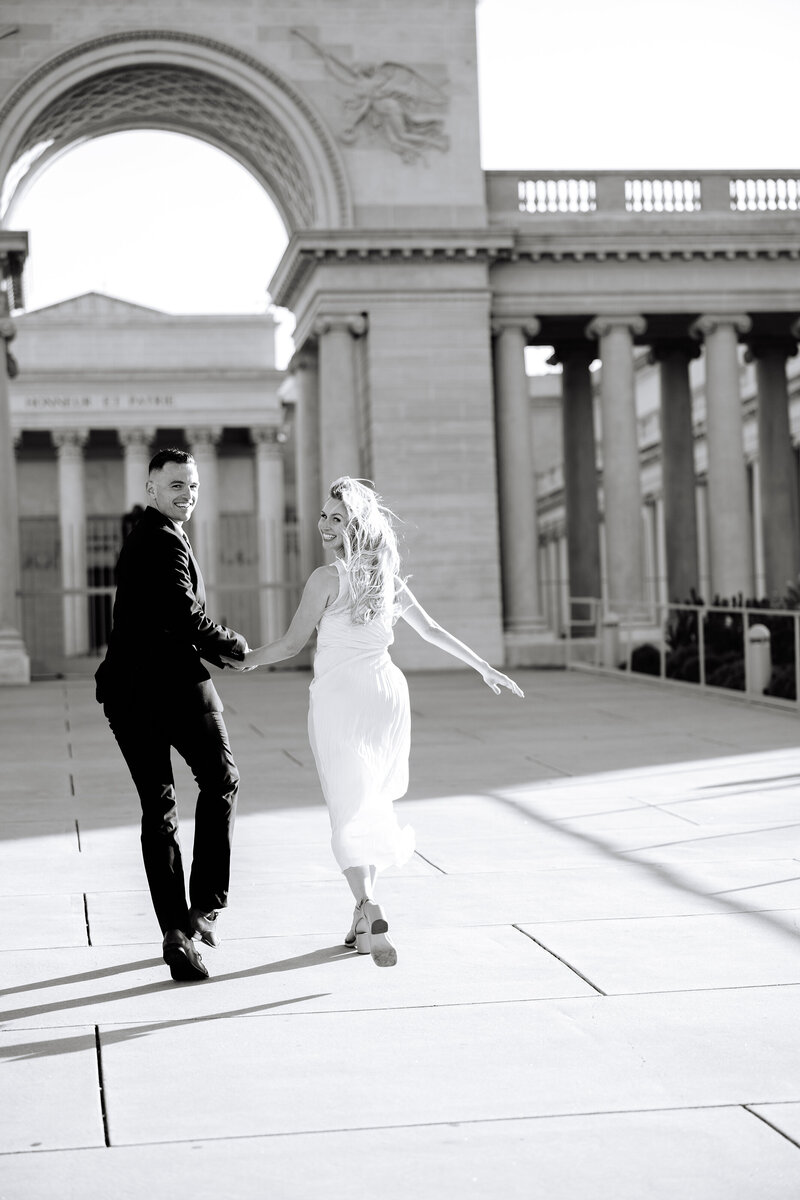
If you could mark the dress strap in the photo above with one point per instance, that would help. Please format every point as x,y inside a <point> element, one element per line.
<point>343,587</point>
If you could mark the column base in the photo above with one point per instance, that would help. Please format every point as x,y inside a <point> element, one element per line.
<point>15,665</point>
<point>534,646</point>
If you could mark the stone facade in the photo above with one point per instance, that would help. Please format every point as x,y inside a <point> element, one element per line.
<point>104,384</point>
<point>417,280</point>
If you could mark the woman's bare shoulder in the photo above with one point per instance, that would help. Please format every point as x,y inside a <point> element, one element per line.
<point>324,581</point>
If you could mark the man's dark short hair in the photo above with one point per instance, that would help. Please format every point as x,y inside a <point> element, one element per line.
<point>171,454</point>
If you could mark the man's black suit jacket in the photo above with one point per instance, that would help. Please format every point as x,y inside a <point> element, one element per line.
<point>160,629</point>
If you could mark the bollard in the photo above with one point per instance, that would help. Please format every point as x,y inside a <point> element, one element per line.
<point>611,651</point>
<point>758,659</point>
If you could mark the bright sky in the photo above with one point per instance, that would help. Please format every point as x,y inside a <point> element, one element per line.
<point>565,84</point>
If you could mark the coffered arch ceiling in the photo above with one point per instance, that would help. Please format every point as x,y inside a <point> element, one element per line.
<point>191,86</point>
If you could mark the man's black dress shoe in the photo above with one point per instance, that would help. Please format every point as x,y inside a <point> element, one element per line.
<point>184,963</point>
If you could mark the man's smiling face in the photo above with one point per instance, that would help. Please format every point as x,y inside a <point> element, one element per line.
<point>173,490</point>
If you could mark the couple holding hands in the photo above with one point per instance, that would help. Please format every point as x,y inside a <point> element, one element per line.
<point>358,722</point>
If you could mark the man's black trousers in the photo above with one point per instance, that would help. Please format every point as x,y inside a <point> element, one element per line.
<point>146,740</point>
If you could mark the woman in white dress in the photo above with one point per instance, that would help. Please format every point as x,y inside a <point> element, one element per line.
<point>359,719</point>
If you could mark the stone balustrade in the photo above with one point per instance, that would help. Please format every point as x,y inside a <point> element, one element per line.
<point>517,193</point>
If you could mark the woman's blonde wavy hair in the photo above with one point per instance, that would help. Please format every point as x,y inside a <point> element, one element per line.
<point>370,549</point>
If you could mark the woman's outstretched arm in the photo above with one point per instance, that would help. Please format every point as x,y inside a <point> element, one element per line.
<point>423,624</point>
<point>321,589</point>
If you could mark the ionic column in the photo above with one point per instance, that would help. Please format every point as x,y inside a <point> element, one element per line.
<point>703,552</point>
<point>341,427</point>
<point>730,550</point>
<point>777,471</point>
<point>271,506</point>
<point>69,445</point>
<point>519,541</point>
<point>662,594</point>
<point>650,539</point>
<point>203,528</point>
<point>677,467</point>
<point>136,456</point>
<point>622,490</point>
<point>754,479</point>
<point>580,475</point>
<point>14,661</point>
<point>308,484</point>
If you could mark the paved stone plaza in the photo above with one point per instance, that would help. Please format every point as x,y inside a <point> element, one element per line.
<point>598,977</point>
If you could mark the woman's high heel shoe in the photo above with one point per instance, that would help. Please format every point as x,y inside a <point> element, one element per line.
<point>356,936</point>
<point>372,939</point>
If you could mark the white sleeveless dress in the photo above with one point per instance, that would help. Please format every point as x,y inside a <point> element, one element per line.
<point>359,726</point>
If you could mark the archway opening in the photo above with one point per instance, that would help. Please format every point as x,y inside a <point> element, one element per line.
<point>155,218</point>
<point>175,229</point>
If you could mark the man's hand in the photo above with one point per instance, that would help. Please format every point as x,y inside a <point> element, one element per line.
<point>238,664</point>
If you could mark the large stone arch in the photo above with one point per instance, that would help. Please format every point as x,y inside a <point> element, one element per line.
<point>188,84</point>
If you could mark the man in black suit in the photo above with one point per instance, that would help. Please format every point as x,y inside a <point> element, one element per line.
<point>156,694</point>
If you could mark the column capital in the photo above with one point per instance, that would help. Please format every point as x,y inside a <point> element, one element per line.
<point>8,329</point>
<point>685,348</point>
<point>528,326</point>
<point>204,437</point>
<point>766,346</point>
<point>130,438</point>
<point>711,322</point>
<point>69,440</point>
<point>599,326</point>
<point>352,323</point>
<point>268,438</point>
<point>305,358</point>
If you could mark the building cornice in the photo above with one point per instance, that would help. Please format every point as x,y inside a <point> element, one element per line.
<point>380,246</point>
<point>647,246</point>
<point>134,377</point>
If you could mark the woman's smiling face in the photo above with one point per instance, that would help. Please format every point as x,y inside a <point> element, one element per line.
<point>331,525</point>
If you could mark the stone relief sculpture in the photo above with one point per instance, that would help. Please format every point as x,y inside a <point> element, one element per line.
<point>392,99</point>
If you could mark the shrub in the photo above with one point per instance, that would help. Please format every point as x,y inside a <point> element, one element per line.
<point>724,641</point>
<point>782,683</point>
<point>646,659</point>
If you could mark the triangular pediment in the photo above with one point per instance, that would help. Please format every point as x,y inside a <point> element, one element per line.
<point>92,304</point>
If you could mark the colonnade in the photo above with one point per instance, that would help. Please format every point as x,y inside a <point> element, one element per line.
<point>727,519</point>
<point>606,557</point>
<point>138,446</point>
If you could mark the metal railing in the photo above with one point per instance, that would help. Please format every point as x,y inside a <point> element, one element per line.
<point>734,650</point>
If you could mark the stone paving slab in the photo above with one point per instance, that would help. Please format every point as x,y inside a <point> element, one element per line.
<point>744,886</point>
<point>729,842</point>
<point>723,1153</point>
<point>19,791</point>
<point>111,860</point>
<point>50,1096</point>
<point>438,900</point>
<point>785,1117</point>
<point>661,954</point>
<point>117,984</point>
<point>773,808</point>
<point>713,1153</point>
<point>41,920</point>
<point>456,1063</point>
